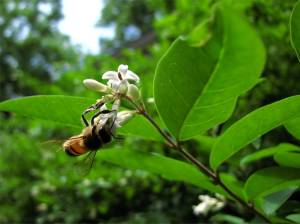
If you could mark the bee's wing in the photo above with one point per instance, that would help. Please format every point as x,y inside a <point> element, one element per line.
<point>57,145</point>
<point>83,167</point>
<point>52,145</point>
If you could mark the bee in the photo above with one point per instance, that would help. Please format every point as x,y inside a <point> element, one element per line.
<point>98,132</point>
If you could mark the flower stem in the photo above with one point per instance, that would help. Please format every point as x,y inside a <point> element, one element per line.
<point>205,170</point>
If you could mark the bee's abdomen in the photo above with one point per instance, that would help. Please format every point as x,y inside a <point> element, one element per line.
<point>71,152</point>
<point>74,148</point>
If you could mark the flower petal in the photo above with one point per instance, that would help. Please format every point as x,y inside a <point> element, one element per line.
<point>123,117</point>
<point>111,75</point>
<point>132,76</point>
<point>123,87</point>
<point>114,84</point>
<point>133,92</point>
<point>123,70</point>
<point>95,85</point>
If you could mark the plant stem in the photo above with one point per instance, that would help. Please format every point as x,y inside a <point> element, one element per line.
<point>218,181</point>
<point>214,176</point>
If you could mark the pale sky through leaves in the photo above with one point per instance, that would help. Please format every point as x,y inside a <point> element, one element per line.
<point>80,18</point>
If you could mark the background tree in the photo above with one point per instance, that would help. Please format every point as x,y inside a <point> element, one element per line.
<point>31,53</point>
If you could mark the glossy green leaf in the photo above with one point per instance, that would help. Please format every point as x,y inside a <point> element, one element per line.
<point>270,180</point>
<point>62,109</point>
<point>205,144</point>
<point>202,33</point>
<point>170,169</point>
<point>294,217</point>
<point>295,28</point>
<point>224,218</point>
<point>278,220</point>
<point>140,127</point>
<point>67,110</point>
<point>196,88</point>
<point>268,152</point>
<point>274,201</point>
<point>289,159</point>
<point>240,5</point>
<point>234,185</point>
<point>293,127</point>
<point>253,126</point>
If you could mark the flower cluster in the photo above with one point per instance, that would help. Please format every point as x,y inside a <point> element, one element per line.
<point>118,85</point>
<point>208,204</point>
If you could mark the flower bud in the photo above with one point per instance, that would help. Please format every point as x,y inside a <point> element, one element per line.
<point>123,87</point>
<point>95,85</point>
<point>123,117</point>
<point>133,92</point>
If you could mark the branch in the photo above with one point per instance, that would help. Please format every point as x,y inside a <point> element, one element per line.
<point>214,176</point>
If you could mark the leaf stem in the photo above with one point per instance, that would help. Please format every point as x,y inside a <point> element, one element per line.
<point>209,173</point>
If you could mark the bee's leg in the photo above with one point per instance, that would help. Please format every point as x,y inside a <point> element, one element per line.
<point>118,137</point>
<point>84,120</point>
<point>90,109</point>
<point>94,116</point>
<point>111,132</point>
<point>105,111</point>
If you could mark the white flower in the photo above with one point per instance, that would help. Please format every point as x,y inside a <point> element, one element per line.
<point>97,86</point>
<point>118,81</point>
<point>86,182</point>
<point>118,86</point>
<point>123,117</point>
<point>133,92</point>
<point>208,204</point>
<point>42,207</point>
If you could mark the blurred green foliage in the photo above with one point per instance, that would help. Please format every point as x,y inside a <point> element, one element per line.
<point>38,183</point>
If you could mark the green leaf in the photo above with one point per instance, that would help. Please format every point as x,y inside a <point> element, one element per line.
<point>202,33</point>
<point>140,127</point>
<point>62,109</point>
<point>274,201</point>
<point>295,28</point>
<point>224,218</point>
<point>264,153</point>
<point>253,126</point>
<point>293,127</point>
<point>233,184</point>
<point>270,180</point>
<point>170,169</point>
<point>289,159</point>
<point>196,88</point>
<point>278,220</point>
<point>205,144</point>
<point>67,110</point>
<point>240,5</point>
<point>294,217</point>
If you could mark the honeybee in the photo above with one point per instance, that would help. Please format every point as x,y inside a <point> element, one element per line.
<point>97,133</point>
